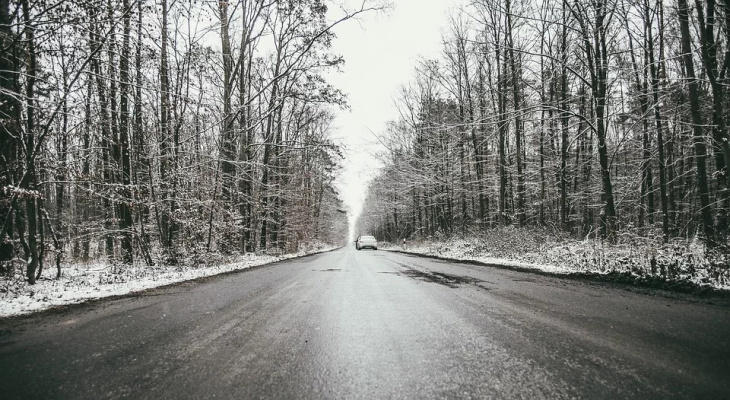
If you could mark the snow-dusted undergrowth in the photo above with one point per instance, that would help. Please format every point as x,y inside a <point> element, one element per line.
<point>633,257</point>
<point>82,282</point>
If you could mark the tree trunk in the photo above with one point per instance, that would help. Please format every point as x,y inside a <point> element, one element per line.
<point>516,78</point>
<point>659,126</point>
<point>720,139</point>
<point>479,132</point>
<point>29,179</point>
<point>62,167</point>
<point>596,52</point>
<point>503,126</point>
<point>647,184</point>
<point>141,166</point>
<point>106,134</point>
<point>565,124</point>
<point>125,212</point>
<point>10,120</point>
<point>698,134</point>
<point>165,222</point>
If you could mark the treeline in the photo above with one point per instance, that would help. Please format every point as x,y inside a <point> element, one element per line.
<point>594,118</point>
<point>160,130</point>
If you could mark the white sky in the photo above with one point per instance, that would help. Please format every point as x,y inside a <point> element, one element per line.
<point>380,54</point>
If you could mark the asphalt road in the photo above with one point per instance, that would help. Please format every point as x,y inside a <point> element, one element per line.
<point>373,324</point>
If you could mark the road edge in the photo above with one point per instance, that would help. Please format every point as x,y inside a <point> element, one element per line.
<point>60,308</point>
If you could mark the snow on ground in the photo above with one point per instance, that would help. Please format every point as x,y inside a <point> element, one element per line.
<point>641,260</point>
<point>83,282</point>
<point>461,249</point>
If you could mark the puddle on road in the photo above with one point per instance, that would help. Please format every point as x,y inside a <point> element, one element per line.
<point>452,281</point>
<point>328,270</point>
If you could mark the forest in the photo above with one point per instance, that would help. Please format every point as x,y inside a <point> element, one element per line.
<point>157,132</point>
<point>601,120</point>
<point>163,132</point>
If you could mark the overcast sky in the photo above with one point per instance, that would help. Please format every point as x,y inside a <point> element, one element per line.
<point>380,54</point>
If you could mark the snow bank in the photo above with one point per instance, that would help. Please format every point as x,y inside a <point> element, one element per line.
<point>82,282</point>
<point>635,258</point>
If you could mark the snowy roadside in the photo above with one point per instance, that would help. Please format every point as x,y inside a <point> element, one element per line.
<point>662,266</point>
<point>83,282</point>
<point>443,251</point>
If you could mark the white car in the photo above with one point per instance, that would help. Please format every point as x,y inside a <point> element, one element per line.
<point>364,241</point>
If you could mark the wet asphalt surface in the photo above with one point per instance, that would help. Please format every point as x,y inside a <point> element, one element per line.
<point>373,324</point>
